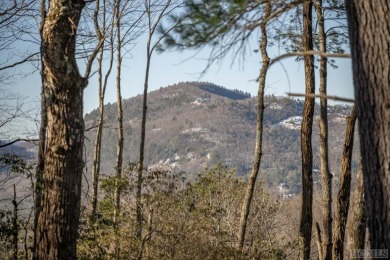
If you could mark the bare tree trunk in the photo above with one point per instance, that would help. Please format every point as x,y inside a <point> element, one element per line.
<point>42,131</point>
<point>119,153</point>
<point>98,142</point>
<point>15,227</point>
<point>306,219</point>
<point>342,206</point>
<point>326,176</point>
<point>357,224</point>
<point>26,239</point>
<point>58,219</point>
<point>101,93</point>
<point>147,237</point>
<point>369,29</point>
<point>138,231</point>
<point>259,129</point>
<point>96,155</point>
<point>154,17</point>
<point>319,242</point>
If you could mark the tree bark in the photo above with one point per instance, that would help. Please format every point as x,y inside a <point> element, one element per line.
<point>319,242</point>
<point>259,129</point>
<point>58,219</point>
<point>357,224</point>
<point>342,206</point>
<point>140,168</point>
<point>138,231</point>
<point>369,30</point>
<point>98,140</point>
<point>42,131</point>
<point>326,176</point>
<point>119,153</point>
<point>306,219</point>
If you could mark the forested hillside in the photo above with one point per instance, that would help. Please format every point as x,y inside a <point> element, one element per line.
<point>194,125</point>
<point>194,170</point>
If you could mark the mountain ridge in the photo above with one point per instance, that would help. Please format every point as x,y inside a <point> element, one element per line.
<point>193,125</point>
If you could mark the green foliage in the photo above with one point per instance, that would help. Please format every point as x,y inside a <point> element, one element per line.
<point>224,25</point>
<point>289,34</point>
<point>204,21</point>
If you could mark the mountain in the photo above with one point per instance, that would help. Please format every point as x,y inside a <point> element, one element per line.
<point>16,167</point>
<point>192,125</point>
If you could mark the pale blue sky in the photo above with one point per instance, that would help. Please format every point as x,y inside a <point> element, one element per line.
<point>173,67</point>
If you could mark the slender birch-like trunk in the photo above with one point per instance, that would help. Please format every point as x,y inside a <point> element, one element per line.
<point>259,129</point>
<point>306,219</point>
<point>326,176</point>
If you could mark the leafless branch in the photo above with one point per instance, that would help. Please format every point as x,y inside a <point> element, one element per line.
<point>336,98</point>
<point>92,58</point>
<point>306,53</point>
<point>28,58</point>
<point>19,140</point>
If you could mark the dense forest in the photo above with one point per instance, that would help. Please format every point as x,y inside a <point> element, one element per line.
<point>195,170</point>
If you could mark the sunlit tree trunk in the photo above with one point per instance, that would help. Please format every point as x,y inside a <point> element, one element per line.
<point>138,231</point>
<point>101,93</point>
<point>259,129</point>
<point>98,142</point>
<point>342,205</point>
<point>357,225</point>
<point>119,150</point>
<point>306,219</point>
<point>155,12</point>
<point>369,30</point>
<point>326,176</point>
<point>319,242</point>
<point>58,219</point>
<point>42,131</point>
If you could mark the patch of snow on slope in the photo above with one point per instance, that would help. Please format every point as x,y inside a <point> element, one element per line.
<point>293,122</point>
<point>177,157</point>
<point>195,130</point>
<point>190,156</point>
<point>200,101</point>
<point>275,106</point>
